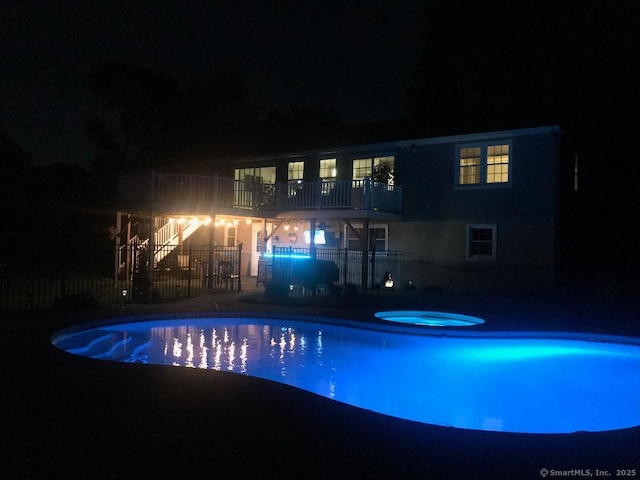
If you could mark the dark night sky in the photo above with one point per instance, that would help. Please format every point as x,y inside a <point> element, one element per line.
<point>355,55</point>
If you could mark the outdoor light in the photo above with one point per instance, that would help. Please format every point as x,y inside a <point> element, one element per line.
<point>387,281</point>
<point>410,286</point>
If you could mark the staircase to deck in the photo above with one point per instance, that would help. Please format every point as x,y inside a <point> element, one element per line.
<point>168,237</point>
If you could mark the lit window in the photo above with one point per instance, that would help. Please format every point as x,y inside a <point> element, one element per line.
<point>481,242</point>
<point>252,186</point>
<point>497,163</point>
<point>469,165</point>
<point>362,168</point>
<point>295,176</point>
<point>327,174</point>
<point>484,164</point>
<point>296,172</point>
<point>370,167</point>
<point>328,169</point>
<point>261,174</point>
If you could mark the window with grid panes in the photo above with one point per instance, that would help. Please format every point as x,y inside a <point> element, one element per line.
<point>485,164</point>
<point>248,180</point>
<point>327,174</point>
<point>363,167</point>
<point>295,172</point>
<point>295,175</point>
<point>481,241</point>
<point>470,166</point>
<point>378,235</point>
<point>497,163</point>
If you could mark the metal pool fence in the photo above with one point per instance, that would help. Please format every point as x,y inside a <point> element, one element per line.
<point>184,271</point>
<point>355,270</point>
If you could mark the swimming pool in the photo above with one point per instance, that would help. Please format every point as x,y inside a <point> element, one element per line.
<point>512,382</point>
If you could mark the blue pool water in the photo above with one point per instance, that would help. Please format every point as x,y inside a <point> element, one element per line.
<point>429,318</point>
<point>536,383</point>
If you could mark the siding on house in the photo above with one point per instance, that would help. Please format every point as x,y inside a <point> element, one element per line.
<point>478,212</point>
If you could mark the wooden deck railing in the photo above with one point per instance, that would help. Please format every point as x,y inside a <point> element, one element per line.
<point>186,190</point>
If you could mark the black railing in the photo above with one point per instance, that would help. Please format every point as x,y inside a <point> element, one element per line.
<point>348,261</point>
<point>184,272</point>
<point>200,192</point>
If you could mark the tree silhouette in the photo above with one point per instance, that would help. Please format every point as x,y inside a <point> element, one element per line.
<point>309,126</point>
<point>15,164</point>
<point>143,113</point>
<point>149,120</point>
<point>223,119</point>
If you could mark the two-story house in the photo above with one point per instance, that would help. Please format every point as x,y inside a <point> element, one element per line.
<point>474,212</point>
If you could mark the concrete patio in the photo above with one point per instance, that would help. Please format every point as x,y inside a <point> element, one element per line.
<point>66,416</point>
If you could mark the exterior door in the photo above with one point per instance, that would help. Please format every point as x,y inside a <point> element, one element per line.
<point>256,240</point>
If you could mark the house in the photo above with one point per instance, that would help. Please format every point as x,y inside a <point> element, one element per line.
<point>474,212</point>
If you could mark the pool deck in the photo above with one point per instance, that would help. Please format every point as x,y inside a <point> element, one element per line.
<point>65,416</point>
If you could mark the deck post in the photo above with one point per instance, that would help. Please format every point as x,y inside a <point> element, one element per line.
<point>152,249</point>
<point>239,272</point>
<point>152,236</point>
<point>210,260</point>
<point>117,233</point>
<point>312,239</point>
<point>365,255</point>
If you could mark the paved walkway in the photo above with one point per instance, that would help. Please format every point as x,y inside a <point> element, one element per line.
<point>506,312</point>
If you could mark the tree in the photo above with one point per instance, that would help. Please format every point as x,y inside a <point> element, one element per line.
<point>383,173</point>
<point>109,156</point>
<point>223,119</point>
<point>15,165</point>
<point>143,113</point>
<point>150,120</point>
<point>310,126</point>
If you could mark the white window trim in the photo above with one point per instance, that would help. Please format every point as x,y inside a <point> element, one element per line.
<point>494,245</point>
<point>483,165</point>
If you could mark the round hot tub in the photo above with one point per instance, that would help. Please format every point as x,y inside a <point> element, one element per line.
<point>429,318</point>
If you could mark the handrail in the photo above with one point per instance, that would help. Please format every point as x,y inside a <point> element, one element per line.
<point>165,239</point>
<point>202,190</point>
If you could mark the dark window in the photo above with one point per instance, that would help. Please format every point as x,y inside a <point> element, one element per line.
<point>481,241</point>
<point>377,237</point>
